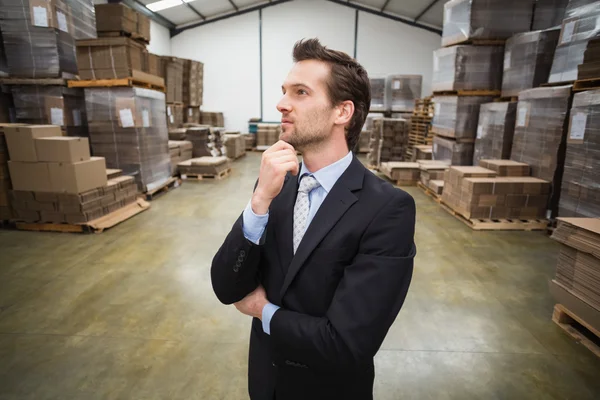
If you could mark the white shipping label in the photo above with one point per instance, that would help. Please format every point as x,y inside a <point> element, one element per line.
<point>578,121</point>
<point>567,33</point>
<point>522,116</point>
<point>435,146</point>
<point>168,110</point>
<point>145,118</point>
<point>126,118</point>
<point>40,16</point>
<point>507,60</point>
<point>436,63</point>
<point>479,131</point>
<point>171,118</point>
<point>436,109</point>
<point>189,112</point>
<point>77,117</point>
<point>62,22</point>
<point>397,85</point>
<point>57,116</point>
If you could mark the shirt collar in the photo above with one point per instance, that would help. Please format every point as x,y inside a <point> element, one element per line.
<point>328,176</point>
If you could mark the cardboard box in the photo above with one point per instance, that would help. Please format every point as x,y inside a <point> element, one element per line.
<point>109,58</point>
<point>21,140</point>
<point>62,149</point>
<point>30,176</point>
<point>78,177</point>
<point>115,17</point>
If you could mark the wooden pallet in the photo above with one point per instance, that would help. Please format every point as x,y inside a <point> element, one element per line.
<point>577,328</point>
<point>478,224</point>
<point>97,225</point>
<point>134,36</point>
<point>450,134</point>
<point>199,177</point>
<point>552,84</point>
<point>466,93</point>
<point>139,79</point>
<point>506,99</point>
<point>586,84</point>
<point>404,183</point>
<point>170,184</point>
<point>430,193</point>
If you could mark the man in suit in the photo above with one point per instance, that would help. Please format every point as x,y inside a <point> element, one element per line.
<point>322,256</point>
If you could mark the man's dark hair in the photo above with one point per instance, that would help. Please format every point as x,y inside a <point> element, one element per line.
<point>348,80</point>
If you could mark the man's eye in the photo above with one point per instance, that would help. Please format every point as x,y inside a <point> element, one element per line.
<point>302,91</point>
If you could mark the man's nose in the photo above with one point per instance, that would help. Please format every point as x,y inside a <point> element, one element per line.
<point>284,106</point>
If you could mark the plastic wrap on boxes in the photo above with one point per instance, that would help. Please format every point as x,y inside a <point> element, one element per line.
<point>401,91</point>
<point>456,116</point>
<point>83,16</point>
<point>527,60</point>
<point>495,131</point>
<point>540,134</point>
<point>467,68</point>
<point>590,68</point>
<point>213,118</point>
<point>39,48</point>
<point>377,94</point>
<point>175,115</point>
<point>548,14</point>
<point>128,127</point>
<point>485,19</point>
<point>7,108</point>
<point>451,152</point>
<point>580,190</point>
<point>3,64</point>
<point>579,26</point>
<point>50,104</point>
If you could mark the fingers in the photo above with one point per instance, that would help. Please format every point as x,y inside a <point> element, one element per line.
<point>280,145</point>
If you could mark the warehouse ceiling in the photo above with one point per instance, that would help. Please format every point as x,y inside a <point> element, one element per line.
<point>182,14</point>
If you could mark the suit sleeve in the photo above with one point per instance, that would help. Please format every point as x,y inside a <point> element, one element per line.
<point>366,301</point>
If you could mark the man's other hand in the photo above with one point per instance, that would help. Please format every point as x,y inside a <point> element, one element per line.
<point>253,303</point>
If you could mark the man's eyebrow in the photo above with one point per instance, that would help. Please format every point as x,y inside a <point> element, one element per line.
<point>295,85</point>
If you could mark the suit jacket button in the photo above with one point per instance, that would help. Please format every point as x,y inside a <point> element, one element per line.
<point>275,365</point>
<point>236,268</point>
<point>242,253</point>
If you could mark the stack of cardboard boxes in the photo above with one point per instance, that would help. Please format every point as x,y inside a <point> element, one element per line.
<point>213,119</point>
<point>211,166</point>
<point>119,20</point>
<point>175,115</point>
<point>235,145</point>
<point>179,151</point>
<point>389,139</point>
<point>402,173</point>
<point>401,91</point>
<point>5,184</point>
<point>55,179</point>
<point>495,131</point>
<point>479,193</point>
<point>267,135</point>
<point>576,286</point>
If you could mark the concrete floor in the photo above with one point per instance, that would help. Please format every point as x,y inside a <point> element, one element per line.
<point>130,314</point>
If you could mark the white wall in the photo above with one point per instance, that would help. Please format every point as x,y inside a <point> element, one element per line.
<point>387,47</point>
<point>229,50</point>
<point>160,39</point>
<point>284,25</point>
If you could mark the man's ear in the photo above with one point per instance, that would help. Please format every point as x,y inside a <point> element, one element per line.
<point>345,111</point>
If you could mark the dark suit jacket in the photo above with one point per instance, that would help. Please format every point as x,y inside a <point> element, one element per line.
<point>338,294</point>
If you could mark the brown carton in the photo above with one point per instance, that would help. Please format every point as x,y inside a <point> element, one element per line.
<point>30,176</point>
<point>62,149</point>
<point>21,143</point>
<point>115,17</point>
<point>78,177</point>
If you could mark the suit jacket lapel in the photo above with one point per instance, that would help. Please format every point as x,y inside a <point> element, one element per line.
<point>335,205</point>
<point>285,223</point>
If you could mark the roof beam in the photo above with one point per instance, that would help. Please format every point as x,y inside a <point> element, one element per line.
<point>141,8</point>
<point>385,5</point>
<point>198,13</point>
<point>234,6</point>
<point>433,3</point>
<point>388,16</point>
<point>177,31</point>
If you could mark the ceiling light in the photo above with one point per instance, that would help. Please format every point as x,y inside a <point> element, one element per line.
<point>164,4</point>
